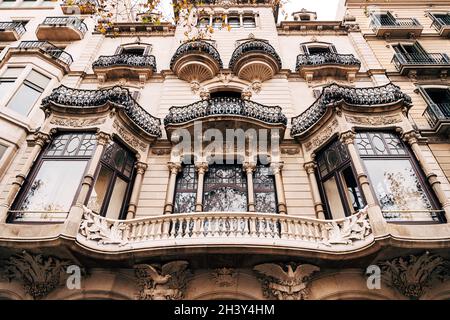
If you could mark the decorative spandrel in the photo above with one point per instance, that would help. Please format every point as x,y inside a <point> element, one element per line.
<point>186,190</point>
<point>264,188</point>
<point>225,189</point>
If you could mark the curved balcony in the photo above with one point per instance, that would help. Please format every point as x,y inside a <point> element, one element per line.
<point>357,97</point>
<point>61,29</point>
<point>216,230</point>
<point>327,64</point>
<point>255,60</point>
<point>223,110</point>
<point>130,66</point>
<point>196,61</point>
<point>82,100</point>
<point>79,6</point>
<point>11,31</point>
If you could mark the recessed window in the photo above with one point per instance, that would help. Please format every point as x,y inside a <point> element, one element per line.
<point>439,97</point>
<point>234,22</point>
<point>203,22</point>
<point>217,23</point>
<point>133,51</point>
<point>341,192</point>
<point>249,22</point>
<point>28,92</point>
<point>8,79</point>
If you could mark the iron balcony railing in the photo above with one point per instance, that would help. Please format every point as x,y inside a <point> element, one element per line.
<point>225,106</point>
<point>253,46</point>
<point>376,23</point>
<point>197,46</point>
<point>402,59</point>
<point>326,58</point>
<point>436,112</point>
<point>440,23</point>
<point>119,96</point>
<point>48,48</point>
<point>128,60</point>
<point>13,26</point>
<point>364,97</point>
<point>74,22</point>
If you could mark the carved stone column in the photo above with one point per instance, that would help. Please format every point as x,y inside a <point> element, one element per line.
<point>374,211</point>
<point>174,168</point>
<point>310,168</point>
<point>201,168</point>
<point>411,139</point>
<point>40,140</point>
<point>249,168</point>
<point>88,179</point>
<point>140,170</point>
<point>276,169</point>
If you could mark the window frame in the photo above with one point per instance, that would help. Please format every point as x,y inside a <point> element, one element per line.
<point>176,190</point>
<point>317,44</point>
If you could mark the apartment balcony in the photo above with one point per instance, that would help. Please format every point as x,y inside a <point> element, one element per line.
<point>442,26</point>
<point>438,117</point>
<point>327,64</point>
<point>255,61</point>
<point>79,6</point>
<point>44,50</point>
<point>129,66</point>
<point>397,28</point>
<point>68,100</point>
<point>61,29</point>
<point>414,64</point>
<point>11,31</point>
<point>196,61</point>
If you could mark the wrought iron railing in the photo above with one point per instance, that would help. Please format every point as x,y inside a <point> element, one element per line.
<point>225,106</point>
<point>197,46</point>
<point>440,23</point>
<point>74,22</point>
<point>334,93</point>
<point>15,26</point>
<point>128,60</point>
<point>253,46</point>
<point>219,228</point>
<point>437,112</point>
<point>396,23</point>
<point>402,59</point>
<point>48,48</point>
<point>119,96</point>
<point>326,58</point>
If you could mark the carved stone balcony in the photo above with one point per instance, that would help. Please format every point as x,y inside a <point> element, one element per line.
<point>76,100</point>
<point>255,61</point>
<point>128,66</point>
<point>220,111</point>
<point>79,6</point>
<point>222,230</point>
<point>438,117</point>
<point>442,26</point>
<point>397,28</point>
<point>414,64</point>
<point>196,61</point>
<point>357,97</point>
<point>43,49</point>
<point>61,29</point>
<point>327,64</point>
<point>11,31</point>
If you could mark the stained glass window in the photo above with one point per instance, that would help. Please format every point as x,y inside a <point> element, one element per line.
<point>186,190</point>
<point>264,188</point>
<point>225,189</point>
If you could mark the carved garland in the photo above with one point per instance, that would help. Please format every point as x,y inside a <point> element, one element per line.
<point>76,123</point>
<point>323,136</point>
<point>129,138</point>
<point>374,120</point>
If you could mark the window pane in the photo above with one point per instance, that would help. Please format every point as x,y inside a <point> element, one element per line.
<point>72,144</point>
<point>117,199</point>
<point>2,150</point>
<point>99,191</point>
<point>397,186</point>
<point>264,187</point>
<point>5,87</point>
<point>225,189</point>
<point>186,190</point>
<point>12,72</point>
<point>333,198</point>
<point>234,22</point>
<point>249,22</point>
<point>352,193</point>
<point>46,192</point>
<point>24,99</point>
<point>38,79</point>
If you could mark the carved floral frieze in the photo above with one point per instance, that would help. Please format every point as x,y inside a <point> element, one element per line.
<point>374,120</point>
<point>225,277</point>
<point>129,138</point>
<point>323,136</point>
<point>77,123</point>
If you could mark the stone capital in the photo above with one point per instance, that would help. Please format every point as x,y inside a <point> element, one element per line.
<point>174,167</point>
<point>201,167</point>
<point>41,138</point>
<point>410,137</point>
<point>140,167</point>
<point>310,167</point>
<point>103,138</point>
<point>347,137</point>
<point>276,167</point>
<point>249,167</point>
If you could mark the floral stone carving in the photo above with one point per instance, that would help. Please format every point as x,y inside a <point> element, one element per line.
<point>225,277</point>
<point>285,282</point>
<point>413,275</point>
<point>39,274</point>
<point>166,282</point>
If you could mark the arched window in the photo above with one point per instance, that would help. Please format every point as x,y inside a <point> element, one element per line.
<point>185,190</point>
<point>110,193</point>
<point>55,179</point>
<point>340,190</point>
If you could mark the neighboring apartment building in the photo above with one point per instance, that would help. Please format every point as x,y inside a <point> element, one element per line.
<point>103,166</point>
